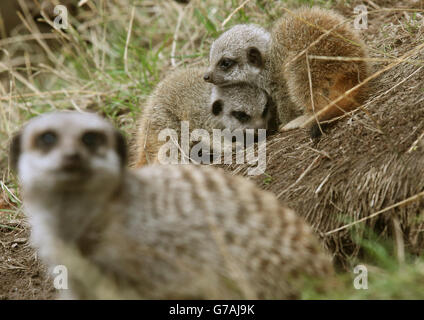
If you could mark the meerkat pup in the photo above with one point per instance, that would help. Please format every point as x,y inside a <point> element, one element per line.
<point>160,231</point>
<point>183,96</point>
<point>277,62</point>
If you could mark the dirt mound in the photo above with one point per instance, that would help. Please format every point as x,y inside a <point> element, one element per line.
<point>364,163</point>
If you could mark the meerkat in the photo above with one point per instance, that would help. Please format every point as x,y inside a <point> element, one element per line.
<point>160,231</point>
<point>183,96</point>
<point>240,55</point>
<point>276,61</point>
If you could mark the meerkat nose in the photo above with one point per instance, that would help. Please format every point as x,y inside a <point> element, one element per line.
<point>72,160</point>
<point>207,77</point>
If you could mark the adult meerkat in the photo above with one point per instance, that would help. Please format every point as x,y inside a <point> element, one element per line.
<point>157,232</point>
<point>276,61</point>
<point>183,96</point>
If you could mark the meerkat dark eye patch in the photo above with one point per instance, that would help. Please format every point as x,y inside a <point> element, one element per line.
<point>241,116</point>
<point>217,107</point>
<point>93,139</point>
<point>254,57</point>
<point>226,63</point>
<point>46,140</point>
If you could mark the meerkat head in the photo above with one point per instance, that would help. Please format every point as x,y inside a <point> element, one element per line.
<point>241,106</point>
<point>238,56</point>
<point>67,151</point>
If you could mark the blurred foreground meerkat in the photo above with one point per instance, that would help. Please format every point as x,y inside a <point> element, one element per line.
<point>183,96</point>
<point>158,232</point>
<point>276,61</point>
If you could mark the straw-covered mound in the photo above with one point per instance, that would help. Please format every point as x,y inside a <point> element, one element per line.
<point>364,163</point>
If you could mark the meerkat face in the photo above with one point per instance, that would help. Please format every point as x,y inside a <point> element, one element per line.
<point>238,55</point>
<point>241,107</point>
<point>67,151</point>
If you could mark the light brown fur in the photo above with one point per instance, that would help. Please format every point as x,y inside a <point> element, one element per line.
<point>158,232</point>
<point>330,79</point>
<point>267,60</point>
<point>183,96</point>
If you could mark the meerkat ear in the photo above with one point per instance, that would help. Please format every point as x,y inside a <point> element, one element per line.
<point>121,147</point>
<point>15,151</point>
<point>254,57</point>
<point>217,107</point>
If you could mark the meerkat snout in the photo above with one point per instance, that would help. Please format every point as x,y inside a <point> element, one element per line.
<point>207,77</point>
<point>72,161</point>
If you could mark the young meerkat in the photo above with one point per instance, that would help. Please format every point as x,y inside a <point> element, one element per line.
<point>276,61</point>
<point>183,96</point>
<point>158,232</point>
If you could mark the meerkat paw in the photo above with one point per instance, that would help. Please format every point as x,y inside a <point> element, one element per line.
<point>294,124</point>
